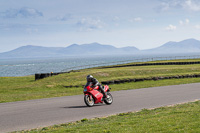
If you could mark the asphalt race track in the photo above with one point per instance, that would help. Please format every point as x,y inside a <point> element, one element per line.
<point>30,114</point>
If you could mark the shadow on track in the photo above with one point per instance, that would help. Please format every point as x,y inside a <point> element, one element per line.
<point>76,107</point>
<point>84,106</point>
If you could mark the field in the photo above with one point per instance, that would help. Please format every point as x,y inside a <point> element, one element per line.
<point>178,118</point>
<point>26,88</point>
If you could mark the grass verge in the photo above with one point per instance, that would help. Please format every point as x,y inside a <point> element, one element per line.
<point>178,118</point>
<point>26,88</point>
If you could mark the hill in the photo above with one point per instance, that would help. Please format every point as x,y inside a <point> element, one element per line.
<point>185,46</point>
<point>30,51</point>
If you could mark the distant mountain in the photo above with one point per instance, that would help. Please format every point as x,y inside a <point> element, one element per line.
<point>93,48</point>
<point>130,49</point>
<point>185,46</point>
<point>30,51</point>
<point>96,49</point>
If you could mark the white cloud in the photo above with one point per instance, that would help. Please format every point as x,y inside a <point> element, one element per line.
<point>170,28</point>
<point>163,7</point>
<point>187,21</point>
<point>89,24</point>
<point>192,5</point>
<point>169,4</point>
<point>181,22</point>
<point>184,22</point>
<point>22,12</point>
<point>137,19</point>
<point>197,27</point>
<point>66,17</point>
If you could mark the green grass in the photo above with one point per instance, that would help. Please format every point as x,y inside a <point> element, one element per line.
<point>184,118</point>
<point>147,84</point>
<point>160,61</point>
<point>26,88</point>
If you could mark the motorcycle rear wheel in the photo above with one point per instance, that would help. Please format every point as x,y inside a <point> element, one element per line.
<point>89,101</point>
<point>109,99</point>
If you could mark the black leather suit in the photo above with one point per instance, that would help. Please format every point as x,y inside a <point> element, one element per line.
<point>94,82</point>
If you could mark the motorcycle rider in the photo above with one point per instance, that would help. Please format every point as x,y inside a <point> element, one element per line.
<point>95,82</point>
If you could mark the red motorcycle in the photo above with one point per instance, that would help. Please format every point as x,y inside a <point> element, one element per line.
<point>93,95</point>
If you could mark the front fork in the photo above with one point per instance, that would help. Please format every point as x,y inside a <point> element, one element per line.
<point>90,96</point>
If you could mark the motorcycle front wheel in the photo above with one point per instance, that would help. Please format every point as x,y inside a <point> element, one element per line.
<point>89,100</point>
<point>109,99</point>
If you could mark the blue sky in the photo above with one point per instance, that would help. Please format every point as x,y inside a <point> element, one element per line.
<point>59,23</point>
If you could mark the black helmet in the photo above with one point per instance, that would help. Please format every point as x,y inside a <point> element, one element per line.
<point>89,78</point>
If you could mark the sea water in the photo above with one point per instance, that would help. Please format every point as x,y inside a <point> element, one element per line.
<point>30,66</point>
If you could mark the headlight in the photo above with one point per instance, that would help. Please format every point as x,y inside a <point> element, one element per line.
<point>85,89</point>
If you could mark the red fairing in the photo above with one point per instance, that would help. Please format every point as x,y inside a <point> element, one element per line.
<point>88,88</point>
<point>96,94</point>
<point>106,87</point>
<point>97,87</point>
